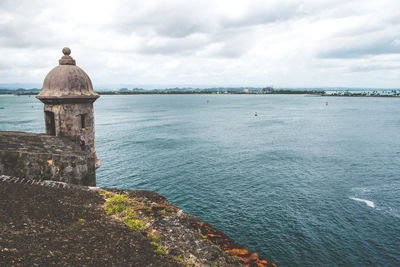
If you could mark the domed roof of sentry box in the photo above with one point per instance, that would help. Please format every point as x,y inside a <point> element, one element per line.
<point>67,83</point>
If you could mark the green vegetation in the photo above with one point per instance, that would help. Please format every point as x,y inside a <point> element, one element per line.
<point>150,92</point>
<point>202,236</point>
<point>239,90</point>
<point>117,204</point>
<point>374,93</point>
<point>154,236</point>
<point>176,258</point>
<point>298,92</point>
<point>227,90</point>
<point>122,206</point>
<point>20,91</point>
<point>134,214</point>
<point>135,225</point>
<point>159,249</point>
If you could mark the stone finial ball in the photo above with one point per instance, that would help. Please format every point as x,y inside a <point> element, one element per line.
<point>66,51</point>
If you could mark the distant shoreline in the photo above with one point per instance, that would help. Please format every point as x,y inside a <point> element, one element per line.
<point>280,92</point>
<point>359,95</point>
<point>283,92</point>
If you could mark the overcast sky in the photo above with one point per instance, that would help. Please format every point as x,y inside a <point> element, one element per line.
<point>284,43</point>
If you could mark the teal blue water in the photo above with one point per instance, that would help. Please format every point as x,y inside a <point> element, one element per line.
<point>302,183</point>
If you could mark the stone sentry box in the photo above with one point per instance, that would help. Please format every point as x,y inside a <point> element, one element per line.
<point>70,156</point>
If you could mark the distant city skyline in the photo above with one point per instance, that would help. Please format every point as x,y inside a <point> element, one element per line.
<point>159,44</point>
<point>149,87</point>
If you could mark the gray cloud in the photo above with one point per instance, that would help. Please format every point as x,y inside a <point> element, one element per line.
<point>171,46</point>
<point>361,50</point>
<point>363,43</point>
<point>21,25</point>
<point>259,15</point>
<point>373,68</point>
<point>168,19</point>
<point>288,41</point>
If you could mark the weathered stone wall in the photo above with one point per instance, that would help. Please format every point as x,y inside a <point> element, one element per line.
<point>45,166</point>
<point>68,123</point>
<point>44,157</point>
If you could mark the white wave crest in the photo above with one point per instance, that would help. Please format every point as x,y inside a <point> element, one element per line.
<point>368,202</point>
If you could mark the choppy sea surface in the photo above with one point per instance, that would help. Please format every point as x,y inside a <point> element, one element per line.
<point>302,183</point>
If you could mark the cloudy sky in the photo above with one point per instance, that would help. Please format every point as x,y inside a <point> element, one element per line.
<point>284,43</point>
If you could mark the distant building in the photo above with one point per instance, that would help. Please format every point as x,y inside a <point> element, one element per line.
<point>267,90</point>
<point>67,151</point>
<point>246,90</point>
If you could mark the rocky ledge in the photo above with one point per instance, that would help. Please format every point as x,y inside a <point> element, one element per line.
<point>52,223</point>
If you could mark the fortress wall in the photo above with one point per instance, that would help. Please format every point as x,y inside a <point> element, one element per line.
<point>75,169</point>
<point>45,157</point>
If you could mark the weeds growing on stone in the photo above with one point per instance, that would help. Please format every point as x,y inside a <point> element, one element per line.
<point>122,206</point>
<point>202,236</point>
<point>154,236</point>
<point>117,204</point>
<point>128,210</point>
<point>190,262</point>
<point>176,258</point>
<point>135,224</point>
<point>159,249</point>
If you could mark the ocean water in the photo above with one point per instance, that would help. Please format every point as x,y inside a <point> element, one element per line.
<point>302,183</point>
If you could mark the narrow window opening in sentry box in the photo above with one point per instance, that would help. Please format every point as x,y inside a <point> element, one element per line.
<point>83,121</point>
<point>50,123</point>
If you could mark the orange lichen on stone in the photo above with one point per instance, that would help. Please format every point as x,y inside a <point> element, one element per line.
<point>212,235</point>
<point>238,251</point>
<point>253,256</point>
<point>232,248</point>
<point>244,260</point>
